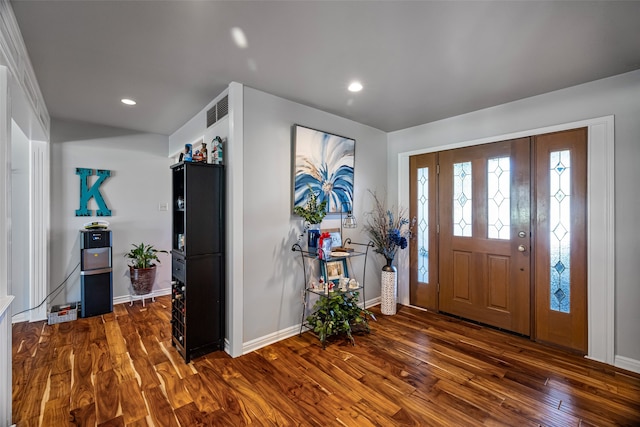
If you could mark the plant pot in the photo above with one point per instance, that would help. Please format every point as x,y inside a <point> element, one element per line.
<point>142,279</point>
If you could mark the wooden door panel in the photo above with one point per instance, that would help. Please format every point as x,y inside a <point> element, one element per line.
<point>499,267</point>
<point>423,250</point>
<point>462,276</point>
<point>482,278</point>
<point>567,329</point>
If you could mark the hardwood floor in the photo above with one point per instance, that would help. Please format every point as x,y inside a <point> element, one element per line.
<point>415,368</point>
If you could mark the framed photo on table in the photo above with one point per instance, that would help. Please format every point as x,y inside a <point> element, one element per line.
<point>336,237</point>
<point>333,271</point>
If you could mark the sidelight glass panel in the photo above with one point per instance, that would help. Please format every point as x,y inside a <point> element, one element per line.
<point>499,198</point>
<point>462,203</point>
<point>560,230</point>
<point>423,225</point>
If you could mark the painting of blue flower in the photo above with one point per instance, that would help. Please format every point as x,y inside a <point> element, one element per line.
<point>324,162</point>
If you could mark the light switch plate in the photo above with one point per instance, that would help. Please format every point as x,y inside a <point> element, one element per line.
<point>163,207</point>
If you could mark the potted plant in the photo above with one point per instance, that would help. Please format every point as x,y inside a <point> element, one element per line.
<point>339,314</point>
<point>142,268</point>
<point>313,213</point>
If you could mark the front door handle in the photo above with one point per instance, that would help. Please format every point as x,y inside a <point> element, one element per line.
<point>522,248</point>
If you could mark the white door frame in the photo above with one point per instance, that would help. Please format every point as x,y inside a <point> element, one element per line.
<point>600,224</point>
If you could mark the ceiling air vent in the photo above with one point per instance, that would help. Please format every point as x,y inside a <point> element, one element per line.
<point>211,116</point>
<point>223,107</point>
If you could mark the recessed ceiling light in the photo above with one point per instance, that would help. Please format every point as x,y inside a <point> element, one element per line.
<point>239,38</point>
<point>128,101</point>
<point>355,87</point>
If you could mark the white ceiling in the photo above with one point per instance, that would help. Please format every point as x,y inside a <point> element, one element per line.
<point>418,61</point>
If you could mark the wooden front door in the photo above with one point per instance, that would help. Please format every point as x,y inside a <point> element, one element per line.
<point>484,239</point>
<point>512,242</point>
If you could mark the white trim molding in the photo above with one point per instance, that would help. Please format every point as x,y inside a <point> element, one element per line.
<point>600,228</point>
<point>601,241</point>
<point>16,58</point>
<point>285,333</point>
<point>128,298</point>
<point>5,184</point>
<point>39,228</point>
<point>628,364</point>
<point>269,339</point>
<point>5,360</point>
<point>235,208</point>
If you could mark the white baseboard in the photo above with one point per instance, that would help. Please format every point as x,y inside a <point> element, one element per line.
<point>282,334</point>
<point>127,298</point>
<point>22,317</point>
<point>269,339</point>
<point>627,363</point>
<point>374,302</point>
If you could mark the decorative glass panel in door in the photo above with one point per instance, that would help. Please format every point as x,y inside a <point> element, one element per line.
<point>422,225</point>
<point>499,198</point>
<point>560,230</point>
<point>462,199</point>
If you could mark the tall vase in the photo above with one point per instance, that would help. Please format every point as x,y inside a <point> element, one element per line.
<point>389,288</point>
<point>314,235</point>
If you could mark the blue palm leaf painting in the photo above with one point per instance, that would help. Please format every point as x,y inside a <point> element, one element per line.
<point>325,162</point>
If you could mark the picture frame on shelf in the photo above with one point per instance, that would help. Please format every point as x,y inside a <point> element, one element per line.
<point>336,237</point>
<point>333,271</point>
<point>323,163</point>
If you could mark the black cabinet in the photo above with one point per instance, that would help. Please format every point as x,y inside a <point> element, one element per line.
<point>197,262</point>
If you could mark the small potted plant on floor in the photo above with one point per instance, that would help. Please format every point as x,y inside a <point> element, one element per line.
<point>142,268</point>
<point>337,314</point>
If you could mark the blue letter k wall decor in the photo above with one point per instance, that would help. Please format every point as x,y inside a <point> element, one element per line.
<point>87,193</point>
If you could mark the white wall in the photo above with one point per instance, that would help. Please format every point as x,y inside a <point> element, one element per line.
<point>19,218</point>
<point>140,180</point>
<point>273,278</point>
<point>619,96</point>
<point>196,130</point>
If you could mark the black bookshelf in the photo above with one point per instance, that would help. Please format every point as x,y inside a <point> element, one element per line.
<point>197,262</point>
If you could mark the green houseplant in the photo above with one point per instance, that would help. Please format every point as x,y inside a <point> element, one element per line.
<point>337,314</point>
<point>312,213</point>
<point>142,268</point>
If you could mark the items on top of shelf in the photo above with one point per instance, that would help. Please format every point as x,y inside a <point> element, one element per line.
<point>342,249</point>
<point>324,245</point>
<point>204,153</point>
<point>217,153</point>
<point>96,225</point>
<point>186,155</point>
<point>338,254</point>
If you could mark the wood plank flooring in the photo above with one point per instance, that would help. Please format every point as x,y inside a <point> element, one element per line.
<point>414,369</point>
